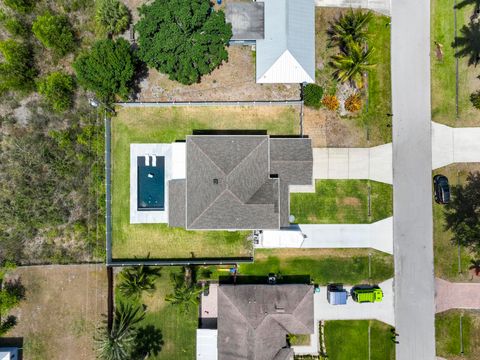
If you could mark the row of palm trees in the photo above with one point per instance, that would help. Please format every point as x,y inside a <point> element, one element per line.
<point>350,33</point>
<point>120,341</point>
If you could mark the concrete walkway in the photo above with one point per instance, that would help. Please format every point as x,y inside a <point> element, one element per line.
<point>454,145</point>
<point>378,235</point>
<point>456,295</point>
<point>381,6</point>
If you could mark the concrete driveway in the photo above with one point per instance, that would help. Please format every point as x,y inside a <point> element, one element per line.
<point>381,6</point>
<point>456,295</point>
<point>378,235</point>
<point>382,311</point>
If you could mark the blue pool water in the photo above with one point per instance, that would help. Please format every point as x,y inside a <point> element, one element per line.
<point>151,183</point>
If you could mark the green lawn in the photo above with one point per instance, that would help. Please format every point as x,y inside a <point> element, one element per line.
<point>379,78</point>
<point>176,328</point>
<point>346,340</point>
<point>446,253</point>
<point>342,201</point>
<point>165,125</point>
<point>447,329</point>
<point>443,71</point>
<point>322,266</point>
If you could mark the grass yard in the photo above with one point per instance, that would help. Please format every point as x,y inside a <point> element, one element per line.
<point>446,254</point>
<point>447,330</point>
<point>372,125</point>
<point>347,340</point>
<point>342,201</point>
<point>165,125</point>
<point>176,329</point>
<point>321,266</point>
<point>64,305</point>
<point>443,70</point>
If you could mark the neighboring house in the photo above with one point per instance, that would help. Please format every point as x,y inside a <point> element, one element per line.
<point>9,353</point>
<point>284,34</point>
<point>238,182</point>
<point>254,321</point>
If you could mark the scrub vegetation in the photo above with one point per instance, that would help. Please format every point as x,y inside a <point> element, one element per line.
<point>343,201</point>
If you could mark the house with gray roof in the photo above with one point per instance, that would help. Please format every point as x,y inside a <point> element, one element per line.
<point>254,320</point>
<point>283,32</point>
<point>238,182</point>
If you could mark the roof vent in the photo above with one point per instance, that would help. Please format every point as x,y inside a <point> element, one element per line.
<point>215,181</point>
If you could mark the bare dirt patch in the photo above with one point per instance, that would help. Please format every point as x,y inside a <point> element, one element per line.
<point>232,81</point>
<point>63,307</point>
<point>327,129</point>
<point>351,201</point>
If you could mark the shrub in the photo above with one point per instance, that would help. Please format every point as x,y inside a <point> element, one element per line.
<point>16,70</point>
<point>113,16</point>
<point>183,38</point>
<point>312,95</point>
<point>107,78</point>
<point>475,99</point>
<point>16,27</point>
<point>21,6</point>
<point>55,33</point>
<point>353,103</point>
<point>331,102</point>
<point>57,88</point>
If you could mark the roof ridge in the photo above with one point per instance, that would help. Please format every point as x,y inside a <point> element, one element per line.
<point>235,306</point>
<point>243,160</point>
<point>208,207</point>
<point>208,157</point>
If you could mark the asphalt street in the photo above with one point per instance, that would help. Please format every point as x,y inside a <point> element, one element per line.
<point>412,173</point>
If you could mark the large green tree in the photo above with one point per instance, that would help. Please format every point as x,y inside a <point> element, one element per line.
<point>183,38</point>
<point>57,88</point>
<point>108,69</point>
<point>462,214</point>
<point>351,26</point>
<point>22,6</point>
<point>16,70</point>
<point>55,33</point>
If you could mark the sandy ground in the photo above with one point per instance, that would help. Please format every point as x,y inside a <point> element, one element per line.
<point>63,306</point>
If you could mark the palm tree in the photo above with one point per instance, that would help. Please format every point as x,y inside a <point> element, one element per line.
<point>134,280</point>
<point>350,27</point>
<point>184,295</point>
<point>119,342</point>
<point>475,266</point>
<point>352,63</point>
<point>468,43</point>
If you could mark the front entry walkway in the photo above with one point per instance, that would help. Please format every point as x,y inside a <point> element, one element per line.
<point>378,235</point>
<point>456,295</point>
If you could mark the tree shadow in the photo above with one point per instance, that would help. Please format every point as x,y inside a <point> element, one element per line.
<point>148,342</point>
<point>468,43</point>
<point>7,324</point>
<point>464,3</point>
<point>15,288</point>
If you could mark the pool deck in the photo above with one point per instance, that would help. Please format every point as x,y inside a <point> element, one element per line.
<point>174,155</point>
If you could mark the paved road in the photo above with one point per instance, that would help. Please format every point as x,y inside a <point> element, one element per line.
<point>327,236</point>
<point>412,172</point>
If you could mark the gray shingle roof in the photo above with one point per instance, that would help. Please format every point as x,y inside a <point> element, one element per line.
<point>176,206</point>
<point>229,185</point>
<point>253,320</point>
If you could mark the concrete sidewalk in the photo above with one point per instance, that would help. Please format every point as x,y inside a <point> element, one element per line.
<point>381,6</point>
<point>456,295</point>
<point>454,145</point>
<point>378,235</point>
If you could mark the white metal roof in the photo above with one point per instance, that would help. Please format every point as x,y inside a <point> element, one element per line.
<point>207,344</point>
<point>287,53</point>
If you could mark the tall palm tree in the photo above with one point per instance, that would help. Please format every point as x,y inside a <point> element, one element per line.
<point>119,342</point>
<point>475,266</point>
<point>352,63</point>
<point>134,280</point>
<point>350,27</point>
<point>468,43</point>
<point>184,295</point>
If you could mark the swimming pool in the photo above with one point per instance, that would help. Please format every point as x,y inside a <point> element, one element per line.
<point>151,183</point>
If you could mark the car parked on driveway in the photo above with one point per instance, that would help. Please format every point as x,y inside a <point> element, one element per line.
<point>441,189</point>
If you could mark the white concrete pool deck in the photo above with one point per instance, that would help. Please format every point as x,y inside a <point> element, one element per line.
<point>174,155</point>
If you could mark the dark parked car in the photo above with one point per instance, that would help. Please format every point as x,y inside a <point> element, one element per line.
<point>442,189</point>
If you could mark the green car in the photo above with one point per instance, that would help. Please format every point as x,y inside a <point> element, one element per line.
<point>371,295</point>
